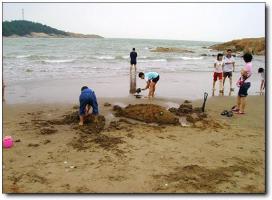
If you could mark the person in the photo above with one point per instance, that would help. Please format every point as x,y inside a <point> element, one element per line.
<point>218,72</point>
<point>151,79</point>
<point>244,84</point>
<point>133,62</point>
<point>262,73</point>
<point>87,99</point>
<point>3,89</point>
<point>228,68</point>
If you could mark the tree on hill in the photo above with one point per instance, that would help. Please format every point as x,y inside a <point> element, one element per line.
<point>23,27</point>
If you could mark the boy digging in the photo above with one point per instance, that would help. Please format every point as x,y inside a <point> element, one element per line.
<point>87,99</point>
<point>151,79</point>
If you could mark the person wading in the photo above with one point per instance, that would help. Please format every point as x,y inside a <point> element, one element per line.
<point>133,62</point>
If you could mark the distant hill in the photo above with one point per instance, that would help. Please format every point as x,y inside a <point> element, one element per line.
<point>252,45</point>
<point>25,28</point>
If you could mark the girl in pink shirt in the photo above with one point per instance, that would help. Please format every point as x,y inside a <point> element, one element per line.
<point>244,84</point>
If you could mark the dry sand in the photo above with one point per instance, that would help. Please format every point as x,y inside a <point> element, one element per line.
<point>223,155</point>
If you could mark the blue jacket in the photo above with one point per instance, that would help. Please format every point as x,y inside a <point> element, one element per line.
<point>87,97</point>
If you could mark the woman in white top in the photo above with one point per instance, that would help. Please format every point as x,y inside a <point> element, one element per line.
<point>218,72</point>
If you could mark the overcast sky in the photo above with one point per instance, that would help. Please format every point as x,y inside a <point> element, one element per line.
<point>181,21</point>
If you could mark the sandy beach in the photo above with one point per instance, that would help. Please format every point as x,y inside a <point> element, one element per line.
<point>216,155</point>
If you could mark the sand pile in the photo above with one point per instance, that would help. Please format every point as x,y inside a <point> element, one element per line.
<point>185,109</point>
<point>195,116</point>
<point>92,124</point>
<point>148,113</point>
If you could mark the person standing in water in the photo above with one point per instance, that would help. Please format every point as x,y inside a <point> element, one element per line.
<point>133,62</point>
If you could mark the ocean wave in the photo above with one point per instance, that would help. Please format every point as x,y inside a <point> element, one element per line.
<point>191,58</point>
<point>155,60</point>
<point>125,57</point>
<point>23,56</point>
<point>105,57</point>
<point>58,61</point>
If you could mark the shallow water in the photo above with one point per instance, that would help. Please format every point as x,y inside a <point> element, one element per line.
<point>53,70</point>
<point>35,59</point>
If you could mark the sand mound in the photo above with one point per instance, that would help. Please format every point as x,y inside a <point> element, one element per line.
<point>92,124</point>
<point>195,116</point>
<point>148,113</point>
<point>184,109</point>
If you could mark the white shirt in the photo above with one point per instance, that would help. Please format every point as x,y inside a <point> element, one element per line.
<point>218,66</point>
<point>228,64</point>
<point>262,76</point>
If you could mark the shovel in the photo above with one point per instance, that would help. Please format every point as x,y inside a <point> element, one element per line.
<point>205,99</point>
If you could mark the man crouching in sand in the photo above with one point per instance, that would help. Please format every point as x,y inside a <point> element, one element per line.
<point>151,79</point>
<point>87,99</point>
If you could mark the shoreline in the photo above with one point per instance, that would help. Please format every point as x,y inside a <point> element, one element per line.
<point>187,85</point>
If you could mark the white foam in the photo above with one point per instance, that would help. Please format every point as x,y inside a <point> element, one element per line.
<point>104,57</point>
<point>23,56</point>
<point>58,61</point>
<point>191,58</point>
<point>125,57</point>
<point>156,60</point>
<point>144,57</point>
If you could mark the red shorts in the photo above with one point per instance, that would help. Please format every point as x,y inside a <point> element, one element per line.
<point>215,75</point>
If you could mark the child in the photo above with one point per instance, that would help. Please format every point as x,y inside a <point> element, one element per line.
<point>151,80</point>
<point>87,99</point>
<point>229,66</point>
<point>244,84</point>
<point>218,71</point>
<point>262,73</point>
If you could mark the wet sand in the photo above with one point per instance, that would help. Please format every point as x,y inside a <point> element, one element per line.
<point>227,155</point>
<point>186,85</point>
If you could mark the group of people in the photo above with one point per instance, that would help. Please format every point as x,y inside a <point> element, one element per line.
<point>151,78</point>
<point>223,68</point>
<point>87,98</point>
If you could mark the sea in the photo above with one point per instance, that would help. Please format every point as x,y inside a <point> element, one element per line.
<point>50,70</point>
<point>35,59</point>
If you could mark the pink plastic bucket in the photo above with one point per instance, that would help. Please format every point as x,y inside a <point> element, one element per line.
<point>7,142</point>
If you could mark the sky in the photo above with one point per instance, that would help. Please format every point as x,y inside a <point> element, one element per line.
<point>218,22</point>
